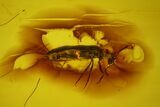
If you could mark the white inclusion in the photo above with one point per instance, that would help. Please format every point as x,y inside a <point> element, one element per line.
<point>59,37</point>
<point>86,39</point>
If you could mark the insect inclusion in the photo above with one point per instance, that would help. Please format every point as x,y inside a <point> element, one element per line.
<point>112,62</point>
<point>83,55</point>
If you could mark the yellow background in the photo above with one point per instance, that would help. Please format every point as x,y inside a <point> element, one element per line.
<point>13,92</point>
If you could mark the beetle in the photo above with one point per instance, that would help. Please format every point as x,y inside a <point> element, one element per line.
<point>80,52</point>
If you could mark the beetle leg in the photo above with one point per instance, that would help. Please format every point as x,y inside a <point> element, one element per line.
<point>90,71</point>
<point>102,72</point>
<point>83,73</point>
<point>106,69</point>
<point>64,63</point>
<point>100,68</point>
